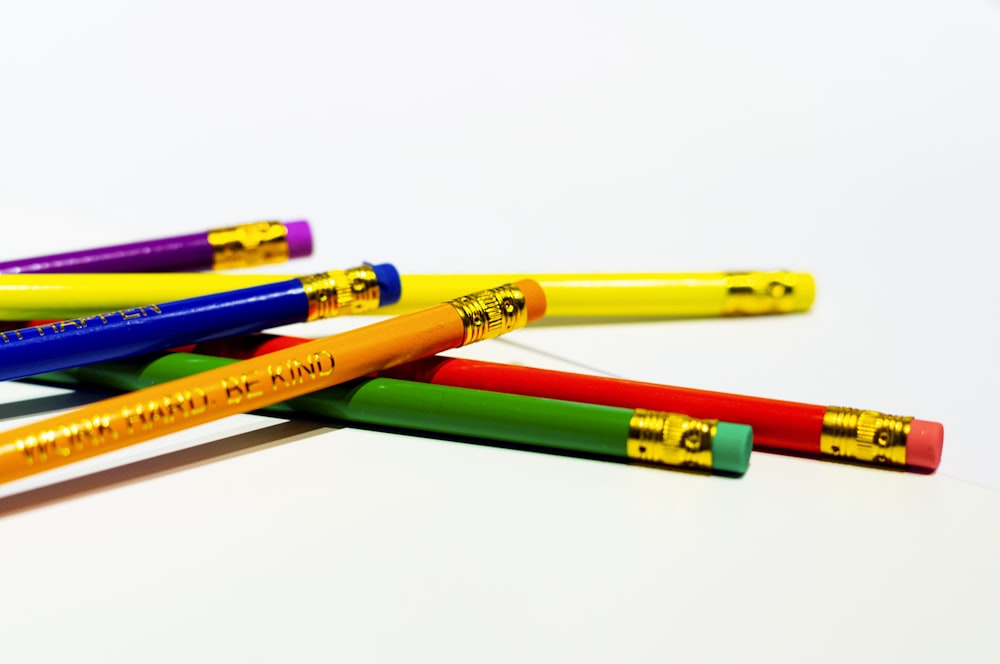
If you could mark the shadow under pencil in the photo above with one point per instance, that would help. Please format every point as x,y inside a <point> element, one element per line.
<point>49,403</point>
<point>163,464</point>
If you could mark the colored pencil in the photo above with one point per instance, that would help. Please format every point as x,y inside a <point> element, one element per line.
<point>830,432</point>
<point>245,245</point>
<point>149,328</point>
<point>664,439</point>
<point>31,297</point>
<point>257,382</point>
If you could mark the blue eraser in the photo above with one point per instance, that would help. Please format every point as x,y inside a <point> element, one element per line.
<point>389,286</point>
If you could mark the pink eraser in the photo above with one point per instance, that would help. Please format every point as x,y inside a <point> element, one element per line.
<point>924,444</point>
<point>299,238</point>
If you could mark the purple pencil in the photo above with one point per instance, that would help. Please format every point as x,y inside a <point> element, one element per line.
<point>245,245</point>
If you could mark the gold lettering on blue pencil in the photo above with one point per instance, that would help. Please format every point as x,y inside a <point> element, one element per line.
<point>78,323</point>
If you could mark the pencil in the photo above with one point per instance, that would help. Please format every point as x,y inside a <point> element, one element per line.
<point>835,432</point>
<point>681,295</point>
<point>832,432</point>
<point>257,382</point>
<point>664,439</point>
<point>245,245</point>
<point>148,328</point>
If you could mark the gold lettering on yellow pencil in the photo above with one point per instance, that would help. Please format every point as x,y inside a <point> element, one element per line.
<point>292,371</point>
<point>64,439</point>
<point>245,386</point>
<point>147,415</point>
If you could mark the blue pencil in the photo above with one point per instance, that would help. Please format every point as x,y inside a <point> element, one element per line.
<point>115,335</point>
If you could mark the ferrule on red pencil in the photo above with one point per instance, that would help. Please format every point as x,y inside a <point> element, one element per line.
<point>245,245</point>
<point>832,432</point>
<point>155,327</point>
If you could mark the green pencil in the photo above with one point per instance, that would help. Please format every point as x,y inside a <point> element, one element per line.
<point>654,437</point>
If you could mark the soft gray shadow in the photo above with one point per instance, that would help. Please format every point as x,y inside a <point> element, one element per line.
<point>78,397</point>
<point>211,452</point>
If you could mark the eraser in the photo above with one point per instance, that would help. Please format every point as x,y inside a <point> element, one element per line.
<point>924,444</point>
<point>534,298</point>
<point>731,448</point>
<point>803,292</point>
<point>299,238</point>
<point>389,286</point>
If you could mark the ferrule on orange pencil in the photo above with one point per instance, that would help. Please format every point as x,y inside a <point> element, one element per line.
<point>835,433</point>
<point>261,381</point>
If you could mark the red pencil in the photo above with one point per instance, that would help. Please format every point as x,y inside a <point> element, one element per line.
<point>835,432</point>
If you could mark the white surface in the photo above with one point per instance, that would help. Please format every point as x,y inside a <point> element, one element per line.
<point>855,140</point>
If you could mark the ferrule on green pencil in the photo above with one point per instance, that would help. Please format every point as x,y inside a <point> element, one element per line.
<point>648,437</point>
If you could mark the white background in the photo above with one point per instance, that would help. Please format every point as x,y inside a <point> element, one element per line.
<point>858,141</point>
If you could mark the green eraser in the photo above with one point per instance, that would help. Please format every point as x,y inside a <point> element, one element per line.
<point>731,448</point>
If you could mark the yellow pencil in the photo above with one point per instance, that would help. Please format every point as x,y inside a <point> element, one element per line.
<point>673,295</point>
<point>261,381</point>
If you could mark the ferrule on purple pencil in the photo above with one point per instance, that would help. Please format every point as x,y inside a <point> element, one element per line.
<point>245,245</point>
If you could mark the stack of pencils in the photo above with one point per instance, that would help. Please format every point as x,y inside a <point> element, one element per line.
<point>186,343</point>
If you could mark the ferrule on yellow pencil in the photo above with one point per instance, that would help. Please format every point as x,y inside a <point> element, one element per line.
<point>176,405</point>
<point>668,295</point>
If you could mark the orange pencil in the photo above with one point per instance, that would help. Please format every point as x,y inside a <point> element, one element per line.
<point>138,416</point>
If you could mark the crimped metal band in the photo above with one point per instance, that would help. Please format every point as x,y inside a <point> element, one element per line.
<point>671,439</point>
<point>338,292</point>
<point>492,312</point>
<point>247,245</point>
<point>865,435</point>
<point>753,293</point>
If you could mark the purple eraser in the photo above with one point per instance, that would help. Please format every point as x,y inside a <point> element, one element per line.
<point>299,238</point>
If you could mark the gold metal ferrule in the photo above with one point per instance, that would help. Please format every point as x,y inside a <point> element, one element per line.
<point>755,293</point>
<point>492,312</point>
<point>339,292</point>
<point>671,439</point>
<point>247,245</point>
<point>865,435</point>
